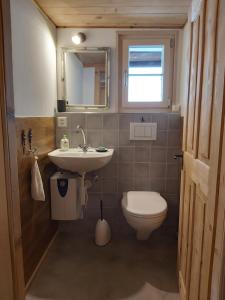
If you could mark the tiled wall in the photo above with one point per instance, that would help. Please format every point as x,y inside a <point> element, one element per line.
<point>136,165</point>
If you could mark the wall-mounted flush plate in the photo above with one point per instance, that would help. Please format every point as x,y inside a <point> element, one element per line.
<point>143,131</point>
<point>62,122</point>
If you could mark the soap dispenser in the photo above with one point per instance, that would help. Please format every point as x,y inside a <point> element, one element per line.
<point>64,144</point>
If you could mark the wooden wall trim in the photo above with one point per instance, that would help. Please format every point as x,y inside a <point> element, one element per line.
<point>37,226</point>
<point>10,158</point>
<point>6,277</point>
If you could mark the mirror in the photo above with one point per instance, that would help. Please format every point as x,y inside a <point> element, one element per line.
<point>85,77</point>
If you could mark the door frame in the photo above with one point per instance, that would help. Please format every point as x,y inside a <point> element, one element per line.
<point>12,283</point>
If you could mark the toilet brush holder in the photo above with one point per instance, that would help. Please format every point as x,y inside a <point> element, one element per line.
<point>102,230</point>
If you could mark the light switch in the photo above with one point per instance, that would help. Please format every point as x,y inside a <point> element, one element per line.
<point>62,122</point>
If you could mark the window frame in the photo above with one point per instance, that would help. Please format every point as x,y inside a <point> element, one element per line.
<point>152,38</point>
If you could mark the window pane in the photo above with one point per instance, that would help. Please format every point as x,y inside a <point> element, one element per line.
<point>145,73</point>
<point>145,88</point>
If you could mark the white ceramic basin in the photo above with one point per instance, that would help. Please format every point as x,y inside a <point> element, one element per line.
<point>75,160</point>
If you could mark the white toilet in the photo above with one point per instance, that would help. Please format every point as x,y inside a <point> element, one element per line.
<point>144,211</point>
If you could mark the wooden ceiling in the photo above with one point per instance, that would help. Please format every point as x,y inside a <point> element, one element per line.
<point>116,13</point>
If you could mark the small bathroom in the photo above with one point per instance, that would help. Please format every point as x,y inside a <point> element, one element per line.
<point>102,95</point>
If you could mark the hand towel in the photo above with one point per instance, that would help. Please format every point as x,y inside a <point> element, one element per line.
<point>37,189</point>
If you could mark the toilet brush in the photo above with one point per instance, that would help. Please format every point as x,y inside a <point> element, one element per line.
<point>102,230</point>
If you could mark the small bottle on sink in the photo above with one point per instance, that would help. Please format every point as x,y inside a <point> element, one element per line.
<point>64,143</point>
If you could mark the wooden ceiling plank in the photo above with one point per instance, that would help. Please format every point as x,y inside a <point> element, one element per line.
<point>115,13</point>
<point>120,21</point>
<point>114,10</point>
<point>119,3</point>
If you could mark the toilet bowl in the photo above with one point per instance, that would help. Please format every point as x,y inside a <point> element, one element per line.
<point>144,211</point>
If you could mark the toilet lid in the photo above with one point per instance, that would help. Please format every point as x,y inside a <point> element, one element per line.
<point>145,203</point>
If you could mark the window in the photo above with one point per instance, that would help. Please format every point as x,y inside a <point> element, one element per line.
<point>146,71</point>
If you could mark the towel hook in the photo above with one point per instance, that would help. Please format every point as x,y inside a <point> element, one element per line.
<point>26,141</point>
<point>34,151</point>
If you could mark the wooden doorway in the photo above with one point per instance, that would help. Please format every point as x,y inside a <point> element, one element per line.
<point>11,261</point>
<point>202,154</point>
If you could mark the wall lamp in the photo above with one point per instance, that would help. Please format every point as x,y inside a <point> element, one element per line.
<point>79,38</point>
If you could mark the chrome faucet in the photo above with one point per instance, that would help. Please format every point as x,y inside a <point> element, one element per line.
<point>84,147</point>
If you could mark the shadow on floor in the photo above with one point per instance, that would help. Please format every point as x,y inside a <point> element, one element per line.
<point>125,269</point>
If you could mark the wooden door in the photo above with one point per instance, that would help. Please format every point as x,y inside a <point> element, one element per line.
<point>202,153</point>
<point>11,260</point>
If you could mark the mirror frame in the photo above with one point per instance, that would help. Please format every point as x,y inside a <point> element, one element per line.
<point>107,51</point>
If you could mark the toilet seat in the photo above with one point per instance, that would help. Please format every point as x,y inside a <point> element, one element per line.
<point>144,204</point>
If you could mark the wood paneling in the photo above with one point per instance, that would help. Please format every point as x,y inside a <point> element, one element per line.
<point>116,13</point>
<point>37,227</point>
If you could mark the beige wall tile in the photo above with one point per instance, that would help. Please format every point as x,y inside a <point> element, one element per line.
<point>158,155</point>
<point>157,170</point>
<point>175,122</point>
<point>109,186</point>
<point>157,185</point>
<point>111,121</point>
<point>161,120</point>
<point>77,119</point>
<point>109,171</point>
<point>142,184</point>
<point>124,121</point>
<point>126,154</point>
<point>110,138</point>
<point>174,138</point>
<point>141,170</point>
<point>94,138</point>
<point>125,184</point>
<point>94,121</point>
<point>161,139</point>
<point>124,138</point>
<point>173,171</point>
<point>126,170</point>
<point>172,186</point>
<point>142,154</point>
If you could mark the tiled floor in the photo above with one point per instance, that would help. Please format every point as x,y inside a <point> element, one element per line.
<point>126,269</point>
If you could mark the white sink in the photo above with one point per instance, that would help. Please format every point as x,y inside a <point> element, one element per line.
<point>75,160</point>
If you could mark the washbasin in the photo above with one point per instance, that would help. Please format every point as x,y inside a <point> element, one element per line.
<point>75,160</point>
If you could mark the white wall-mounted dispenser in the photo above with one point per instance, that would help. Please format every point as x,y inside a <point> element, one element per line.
<point>65,202</point>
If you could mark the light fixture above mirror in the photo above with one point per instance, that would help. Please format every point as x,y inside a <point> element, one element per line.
<point>79,38</point>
